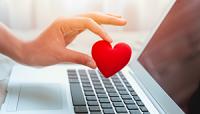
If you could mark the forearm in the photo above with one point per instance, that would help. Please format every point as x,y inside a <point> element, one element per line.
<point>9,44</point>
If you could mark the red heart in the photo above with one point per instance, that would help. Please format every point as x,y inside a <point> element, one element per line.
<point>110,60</point>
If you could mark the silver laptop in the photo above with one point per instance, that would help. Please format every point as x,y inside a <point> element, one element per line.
<point>69,89</point>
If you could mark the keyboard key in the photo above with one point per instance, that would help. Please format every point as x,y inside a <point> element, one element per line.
<point>73,76</point>
<point>82,72</point>
<point>123,93</point>
<point>140,103</point>
<point>126,97</point>
<point>95,113</point>
<point>80,109</point>
<point>135,112</point>
<point>115,99</point>
<point>93,76</point>
<point>72,73</point>
<point>92,103</point>
<point>136,98</point>
<point>123,78</point>
<point>107,83</point>
<point>128,85</point>
<point>77,95</point>
<point>100,91</point>
<point>86,85</point>
<point>87,81</point>
<point>115,77</point>
<point>96,83</point>
<point>113,94</point>
<point>108,111</point>
<point>146,112</point>
<point>117,81</point>
<point>108,86</point>
<point>120,73</point>
<point>111,90</point>
<point>118,104</point>
<point>134,93</point>
<point>104,100</point>
<point>125,81</point>
<point>87,89</point>
<point>130,89</point>
<point>71,70</point>
<point>121,89</point>
<point>105,79</point>
<point>143,109</point>
<point>120,109</point>
<point>102,95</point>
<point>96,80</point>
<point>94,108</point>
<point>118,84</point>
<point>73,80</point>
<point>106,105</point>
<point>92,72</point>
<point>129,102</point>
<point>98,87</point>
<point>132,107</point>
<point>89,93</point>
<point>91,98</point>
<point>84,78</point>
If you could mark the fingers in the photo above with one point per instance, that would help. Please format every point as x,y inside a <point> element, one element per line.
<point>91,21</point>
<point>85,23</point>
<point>102,18</point>
<point>79,58</point>
<point>96,28</point>
<point>118,16</point>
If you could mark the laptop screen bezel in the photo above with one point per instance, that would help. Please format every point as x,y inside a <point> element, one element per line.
<point>144,77</point>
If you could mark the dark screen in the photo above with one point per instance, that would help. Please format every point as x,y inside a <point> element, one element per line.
<point>172,56</point>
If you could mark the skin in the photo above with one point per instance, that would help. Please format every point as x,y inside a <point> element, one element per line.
<point>50,47</point>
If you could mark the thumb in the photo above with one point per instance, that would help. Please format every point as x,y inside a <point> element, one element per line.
<point>79,58</point>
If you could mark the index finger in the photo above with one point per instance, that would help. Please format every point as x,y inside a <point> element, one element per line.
<point>102,18</point>
<point>83,23</point>
<point>96,28</point>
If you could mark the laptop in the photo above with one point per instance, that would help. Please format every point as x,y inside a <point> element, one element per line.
<point>76,89</point>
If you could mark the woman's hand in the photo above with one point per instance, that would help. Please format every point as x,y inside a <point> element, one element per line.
<point>50,47</point>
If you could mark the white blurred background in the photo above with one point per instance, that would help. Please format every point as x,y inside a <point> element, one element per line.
<point>36,14</point>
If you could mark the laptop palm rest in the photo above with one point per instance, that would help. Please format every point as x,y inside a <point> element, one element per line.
<point>40,97</point>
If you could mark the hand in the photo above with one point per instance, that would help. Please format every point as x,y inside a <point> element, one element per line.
<point>50,47</point>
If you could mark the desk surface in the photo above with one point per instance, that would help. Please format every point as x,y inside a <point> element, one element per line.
<point>83,43</point>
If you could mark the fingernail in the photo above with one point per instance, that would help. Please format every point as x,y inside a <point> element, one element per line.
<point>108,38</point>
<point>91,63</point>
<point>123,20</point>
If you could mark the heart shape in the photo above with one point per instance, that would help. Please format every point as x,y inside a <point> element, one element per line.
<point>110,60</point>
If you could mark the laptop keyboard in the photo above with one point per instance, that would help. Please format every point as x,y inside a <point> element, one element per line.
<point>93,94</point>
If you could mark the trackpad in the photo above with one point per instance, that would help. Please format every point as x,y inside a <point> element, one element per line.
<point>40,97</point>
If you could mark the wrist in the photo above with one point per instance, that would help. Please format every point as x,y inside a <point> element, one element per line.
<point>17,52</point>
<point>10,45</point>
<point>24,53</point>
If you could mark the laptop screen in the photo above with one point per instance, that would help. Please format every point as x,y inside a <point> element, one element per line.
<point>172,56</point>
